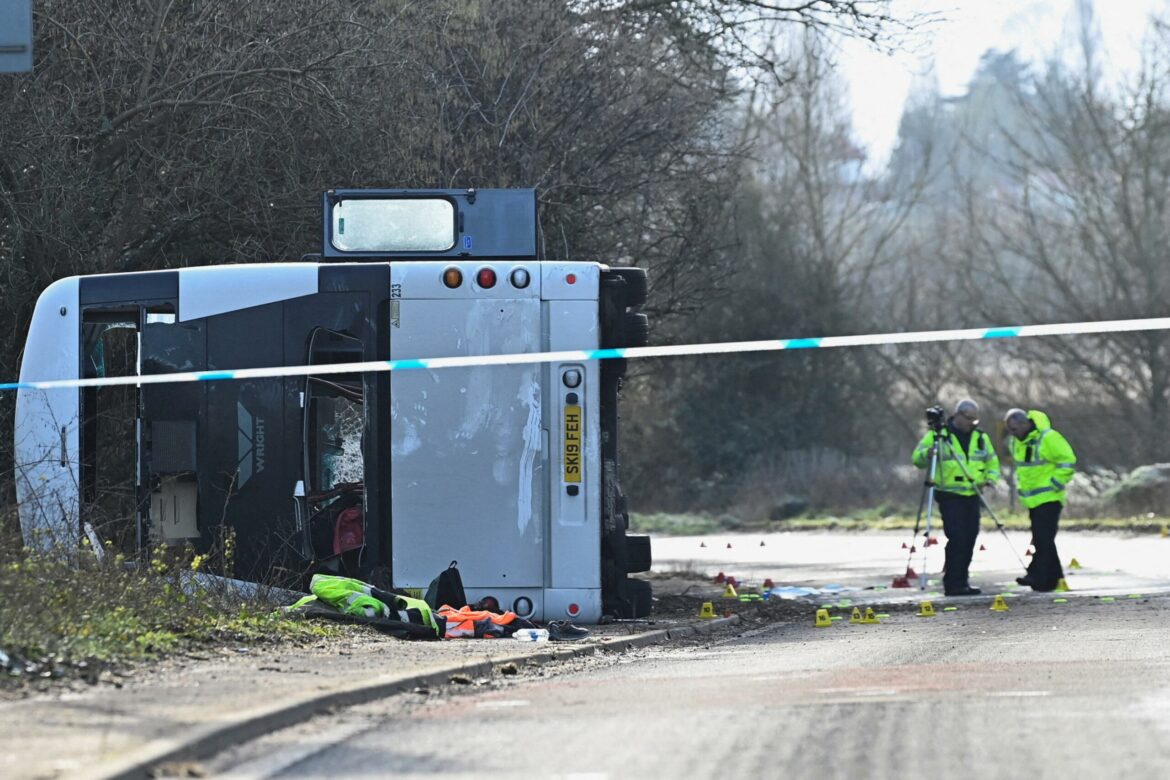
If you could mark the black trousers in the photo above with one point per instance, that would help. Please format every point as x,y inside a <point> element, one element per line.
<point>1045,569</point>
<point>960,516</point>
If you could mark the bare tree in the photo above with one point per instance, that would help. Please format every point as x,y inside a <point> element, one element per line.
<point>154,134</point>
<point>814,230</point>
<point>1078,230</point>
<point>618,122</point>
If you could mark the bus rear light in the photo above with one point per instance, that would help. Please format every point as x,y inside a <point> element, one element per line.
<point>486,278</point>
<point>452,277</point>
<point>520,278</point>
<point>571,278</point>
<point>573,610</point>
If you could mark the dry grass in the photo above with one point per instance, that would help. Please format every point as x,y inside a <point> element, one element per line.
<point>60,617</point>
<point>824,482</point>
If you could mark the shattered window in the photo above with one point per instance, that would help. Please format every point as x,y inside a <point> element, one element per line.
<point>333,502</point>
<point>394,225</point>
<point>339,443</point>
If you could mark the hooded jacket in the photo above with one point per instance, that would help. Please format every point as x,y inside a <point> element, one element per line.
<point>979,461</point>
<point>1045,463</point>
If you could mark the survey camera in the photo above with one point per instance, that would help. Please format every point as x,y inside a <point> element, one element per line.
<point>935,417</point>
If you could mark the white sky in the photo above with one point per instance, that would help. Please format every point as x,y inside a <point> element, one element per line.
<point>879,83</point>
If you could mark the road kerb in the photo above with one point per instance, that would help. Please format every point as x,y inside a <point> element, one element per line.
<point>201,742</point>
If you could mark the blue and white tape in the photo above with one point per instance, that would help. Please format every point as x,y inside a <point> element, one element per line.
<point>573,356</point>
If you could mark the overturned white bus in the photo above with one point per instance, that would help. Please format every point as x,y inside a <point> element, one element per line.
<point>389,476</point>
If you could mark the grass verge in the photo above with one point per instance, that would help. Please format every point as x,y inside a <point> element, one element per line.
<point>62,620</point>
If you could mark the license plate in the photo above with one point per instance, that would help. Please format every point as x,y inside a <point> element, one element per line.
<point>573,444</point>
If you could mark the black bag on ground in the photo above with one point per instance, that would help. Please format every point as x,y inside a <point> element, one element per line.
<point>447,589</point>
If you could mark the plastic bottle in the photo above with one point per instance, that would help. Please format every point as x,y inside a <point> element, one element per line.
<point>531,635</point>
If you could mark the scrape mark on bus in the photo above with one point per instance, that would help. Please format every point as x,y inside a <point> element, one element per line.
<point>529,394</point>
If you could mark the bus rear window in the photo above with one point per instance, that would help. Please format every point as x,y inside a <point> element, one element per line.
<point>393,225</point>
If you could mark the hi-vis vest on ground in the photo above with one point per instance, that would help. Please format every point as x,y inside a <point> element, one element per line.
<point>1045,463</point>
<point>980,461</point>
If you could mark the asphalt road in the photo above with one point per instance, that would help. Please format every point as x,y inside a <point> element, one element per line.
<point>1061,690</point>
<point>1113,563</point>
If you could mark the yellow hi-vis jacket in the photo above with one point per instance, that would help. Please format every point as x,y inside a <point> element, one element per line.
<point>1045,463</point>
<point>980,461</point>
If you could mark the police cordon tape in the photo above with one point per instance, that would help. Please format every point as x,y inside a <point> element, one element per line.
<point>573,356</point>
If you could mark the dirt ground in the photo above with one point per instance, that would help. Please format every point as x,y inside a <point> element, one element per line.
<point>1113,565</point>
<point>677,601</point>
<point>679,598</point>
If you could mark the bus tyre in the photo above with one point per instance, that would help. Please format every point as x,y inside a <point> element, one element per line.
<point>637,595</point>
<point>638,553</point>
<point>636,286</point>
<point>636,328</point>
<point>622,509</point>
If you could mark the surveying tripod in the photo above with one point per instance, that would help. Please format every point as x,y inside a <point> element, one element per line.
<point>942,437</point>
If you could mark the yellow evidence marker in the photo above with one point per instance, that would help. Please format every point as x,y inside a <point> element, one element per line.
<point>999,605</point>
<point>823,620</point>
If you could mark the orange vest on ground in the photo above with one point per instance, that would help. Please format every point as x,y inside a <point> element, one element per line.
<point>475,623</point>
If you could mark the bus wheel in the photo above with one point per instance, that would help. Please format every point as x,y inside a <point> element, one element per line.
<point>637,329</point>
<point>637,553</point>
<point>637,595</point>
<point>636,286</point>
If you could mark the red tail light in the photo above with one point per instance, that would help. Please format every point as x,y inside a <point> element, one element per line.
<point>486,278</point>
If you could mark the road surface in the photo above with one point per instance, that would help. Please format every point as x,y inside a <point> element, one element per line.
<point>1048,689</point>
